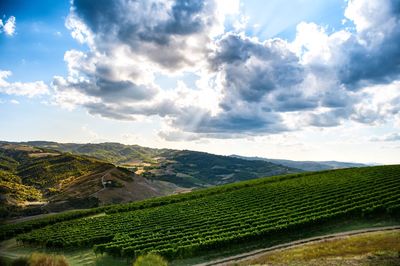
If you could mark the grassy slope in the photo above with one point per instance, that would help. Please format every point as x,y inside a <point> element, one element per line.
<point>29,174</point>
<point>377,248</point>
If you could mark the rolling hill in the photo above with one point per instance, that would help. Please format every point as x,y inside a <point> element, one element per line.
<point>115,153</point>
<point>139,157</point>
<point>37,177</point>
<point>35,180</point>
<point>184,168</point>
<point>306,165</point>
<point>228,217</point>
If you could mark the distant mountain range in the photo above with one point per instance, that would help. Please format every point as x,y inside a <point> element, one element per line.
<point>39,176</point>
<point>306,165</point>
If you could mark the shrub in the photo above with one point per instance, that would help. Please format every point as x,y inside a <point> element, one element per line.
<point>150,260</point>
<point>40,259</point>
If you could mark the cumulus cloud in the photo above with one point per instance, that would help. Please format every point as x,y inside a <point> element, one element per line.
<point>29,89</point>
<point>171,34</point>
<point>8,27</point>
<point>247,86</point>
<point>129,42</point>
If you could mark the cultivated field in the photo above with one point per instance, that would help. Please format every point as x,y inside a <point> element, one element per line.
<point>224,217</point>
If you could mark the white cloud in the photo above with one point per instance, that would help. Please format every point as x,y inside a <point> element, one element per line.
<point>247,87</point>
<point>9,26</point>
<point>29,89</point>
<point>379,103</point>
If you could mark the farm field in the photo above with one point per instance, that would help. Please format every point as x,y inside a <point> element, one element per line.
<point>225,217</point>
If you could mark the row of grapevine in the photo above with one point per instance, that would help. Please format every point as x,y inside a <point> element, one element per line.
<point>249,211</point>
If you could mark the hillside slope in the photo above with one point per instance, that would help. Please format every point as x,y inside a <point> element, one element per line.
<point>217,218</point>
<point>47,176</point>
<point>184,168</point>
<point>40,172</point>
<point>35,180</point>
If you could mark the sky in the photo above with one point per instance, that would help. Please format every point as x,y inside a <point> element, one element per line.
<point>290,79</point>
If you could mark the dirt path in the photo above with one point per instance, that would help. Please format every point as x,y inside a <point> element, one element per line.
<point>259,252</point>
<point>102,182</point>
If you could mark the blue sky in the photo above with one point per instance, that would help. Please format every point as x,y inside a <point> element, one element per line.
<point>278,79</point>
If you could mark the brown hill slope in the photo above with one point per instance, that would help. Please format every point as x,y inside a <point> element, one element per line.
<point>37,180</point>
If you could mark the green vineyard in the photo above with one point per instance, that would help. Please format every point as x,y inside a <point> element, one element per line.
<point>215,218</point>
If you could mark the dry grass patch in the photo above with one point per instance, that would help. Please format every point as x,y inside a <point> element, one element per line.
<point>381,247</point>
<point>40,259</point>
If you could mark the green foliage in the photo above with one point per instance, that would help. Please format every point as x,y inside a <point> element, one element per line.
<point>10,230</point>
<point>189,224</point>
<point>31,174</point>
<point>150,260</point>
<point>7,176</point>
<point>11,184</point>
<point>20,192</point>
<point>47,172</point>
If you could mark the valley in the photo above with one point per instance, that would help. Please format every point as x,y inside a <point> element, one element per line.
<point>41,177</point>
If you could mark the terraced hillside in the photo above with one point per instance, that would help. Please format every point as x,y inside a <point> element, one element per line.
<point>216,218</point>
